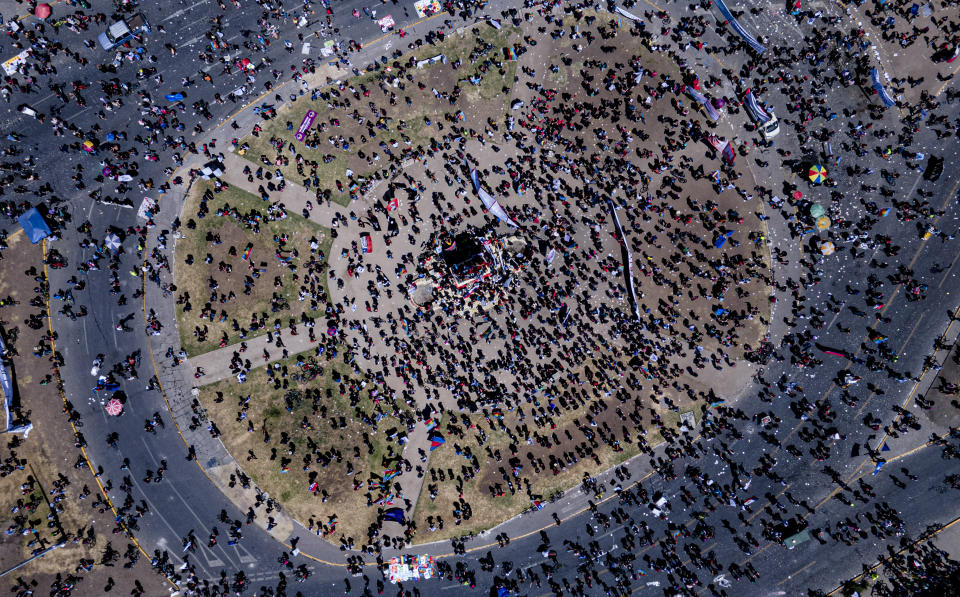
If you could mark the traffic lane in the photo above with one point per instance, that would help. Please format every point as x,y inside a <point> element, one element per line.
<point>181,503</point>
<point>913,503</point>
<point>181,491</point>
<point>184,500</point>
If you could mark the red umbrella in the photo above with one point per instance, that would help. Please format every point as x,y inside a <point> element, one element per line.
<point>43,11</point>
<point>114,407</point>
<point>797,195</point>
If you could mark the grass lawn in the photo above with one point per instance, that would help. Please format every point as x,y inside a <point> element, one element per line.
<point>274,294</point>
<point>309,407</point>
<point>402,125</point>
<point>489,511</point>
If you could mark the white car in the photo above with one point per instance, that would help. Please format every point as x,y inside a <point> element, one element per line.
<point>770,129</point>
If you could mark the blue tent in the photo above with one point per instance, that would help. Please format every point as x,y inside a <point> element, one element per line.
<point>34,225</point>
<point>394,514</point>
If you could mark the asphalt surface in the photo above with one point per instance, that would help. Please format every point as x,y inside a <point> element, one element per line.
<point>186,500</point>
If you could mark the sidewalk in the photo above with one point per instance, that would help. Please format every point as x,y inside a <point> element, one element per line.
<point>294,197</point>
<point>216,363</point>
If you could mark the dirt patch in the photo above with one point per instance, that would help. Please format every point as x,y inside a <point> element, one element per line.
<point>510,477</point>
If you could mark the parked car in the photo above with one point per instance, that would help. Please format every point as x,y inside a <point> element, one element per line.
<point>122,31</point>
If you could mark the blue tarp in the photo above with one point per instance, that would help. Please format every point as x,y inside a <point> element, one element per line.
<point>6,385</point>
<point>881,90</point>
<point>34,225</point>
<point>394,514</point>
<point>751,41</point>
<point>722,239</point>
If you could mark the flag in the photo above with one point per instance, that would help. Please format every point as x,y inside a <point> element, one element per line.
<point>431,424</point>
<point>394,514</point>
<point>390,473</point>
<point>246,252</point>
<point>728,154</point>
<point>877,469</point>
<point>492,205</point>
<point>436,441</point>
<point>314,487</point>
<point>884,447</point>
<point>394,204</point>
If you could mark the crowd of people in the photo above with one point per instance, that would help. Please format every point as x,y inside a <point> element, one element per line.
<point>531,348</point>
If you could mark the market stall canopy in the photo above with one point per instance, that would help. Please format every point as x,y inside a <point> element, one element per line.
<point>34,225</point>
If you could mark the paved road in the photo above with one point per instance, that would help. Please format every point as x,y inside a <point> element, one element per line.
<point>185,501</point>
<point>188,498</point>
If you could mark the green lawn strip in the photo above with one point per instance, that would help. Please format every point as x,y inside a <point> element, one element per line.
<point>194,278</point>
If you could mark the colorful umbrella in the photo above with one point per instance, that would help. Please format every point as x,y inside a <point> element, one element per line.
<point>797,195</point>
<point>113,242</point>
<point>114,407</point>
<point>89,146</point>
<point>817,173</point>
<point>816,210</point>
<point>823,223</point>
<point>827,248</point>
